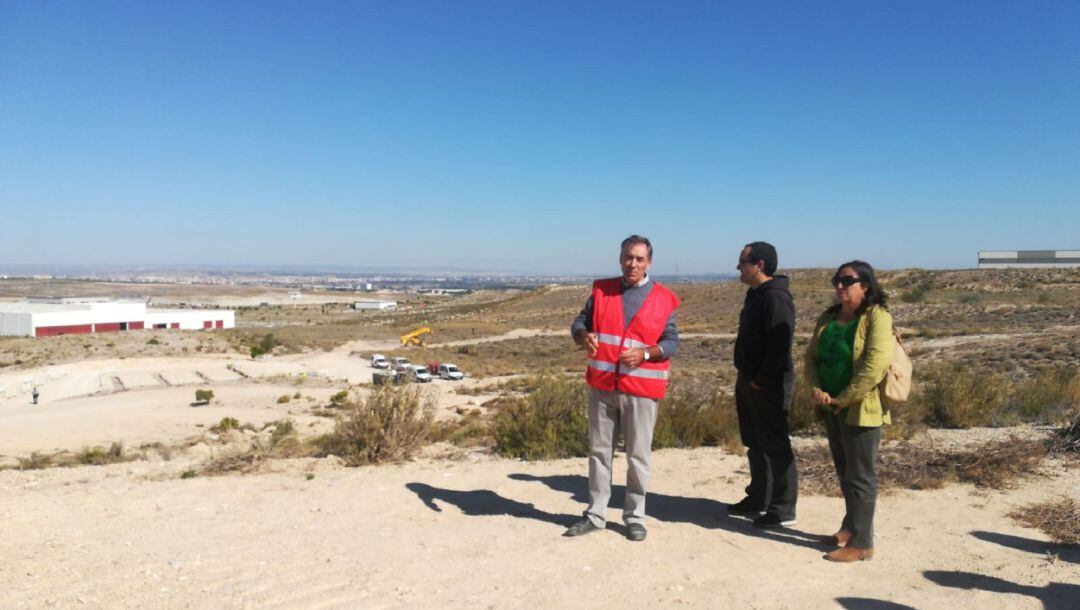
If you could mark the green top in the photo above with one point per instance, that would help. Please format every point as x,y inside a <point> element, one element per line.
<point>835,362</point>
<point>871,354</point>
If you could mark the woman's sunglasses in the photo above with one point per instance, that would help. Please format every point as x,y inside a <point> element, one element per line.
<point>844,281</point>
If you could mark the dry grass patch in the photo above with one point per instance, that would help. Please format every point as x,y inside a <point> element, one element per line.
<point>88,456</point>
<point>995,464</point>
<point>1059,519</point>
<point>696,414</point>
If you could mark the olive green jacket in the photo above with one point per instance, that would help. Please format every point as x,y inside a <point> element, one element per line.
<point>872,352</point>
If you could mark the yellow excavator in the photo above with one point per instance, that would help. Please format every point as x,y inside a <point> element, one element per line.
<point>416,337</point>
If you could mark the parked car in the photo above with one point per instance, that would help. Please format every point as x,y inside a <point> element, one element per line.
<point>378,361</point>
<point>401,364</point>
<point>421,374</point>
<point>450,371</point>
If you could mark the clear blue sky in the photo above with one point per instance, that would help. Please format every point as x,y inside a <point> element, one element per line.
<point>534,136</point>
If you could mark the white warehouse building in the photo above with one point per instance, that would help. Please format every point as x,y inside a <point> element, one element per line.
<point>1028,259</point>
<point>375,305</point>
<point>43,317</point>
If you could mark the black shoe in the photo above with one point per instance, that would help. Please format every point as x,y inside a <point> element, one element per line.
<point>772,521</point>
<point>581,528</point>
<point>636,532</point>
<point>745,507</point>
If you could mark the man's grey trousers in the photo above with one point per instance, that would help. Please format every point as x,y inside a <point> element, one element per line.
<point>609,414</point>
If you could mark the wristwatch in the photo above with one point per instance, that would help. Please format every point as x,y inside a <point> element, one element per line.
<point>646,350</point>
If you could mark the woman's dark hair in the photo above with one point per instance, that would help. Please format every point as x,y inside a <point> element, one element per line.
<point>874,293</point>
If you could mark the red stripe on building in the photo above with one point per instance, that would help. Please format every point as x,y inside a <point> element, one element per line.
<point>74,329</point>
<point>105,327</point>
<point>174,325</point>
<point>219,324</point>
<point>207,324</point>
<point>135,325</point>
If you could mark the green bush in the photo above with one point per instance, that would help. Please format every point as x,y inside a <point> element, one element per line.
<point>339,399</point>
<point>226,424</point>
<point>204,395</point>
<point>915,295</point>
<point>957,397</point>
<point>551,422</point>
<point>265,345</point>
<point>970,298</point>
<point>696,413</point>
<point>390,425</point>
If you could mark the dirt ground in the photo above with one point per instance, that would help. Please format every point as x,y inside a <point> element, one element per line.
<point>481,532</point>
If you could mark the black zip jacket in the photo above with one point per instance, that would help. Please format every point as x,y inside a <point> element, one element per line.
<point>766,332</point>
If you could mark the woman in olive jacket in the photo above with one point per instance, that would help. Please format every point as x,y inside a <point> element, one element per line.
<point>849,352</point>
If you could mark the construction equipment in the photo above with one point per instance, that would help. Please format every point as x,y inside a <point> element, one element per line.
<point>416,337</point>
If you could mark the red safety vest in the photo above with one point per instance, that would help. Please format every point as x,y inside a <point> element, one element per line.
<point>650,378</point>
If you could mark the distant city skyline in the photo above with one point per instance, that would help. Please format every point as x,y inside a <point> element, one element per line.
<point>532,137</point>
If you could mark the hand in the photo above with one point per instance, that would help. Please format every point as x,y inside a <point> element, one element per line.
<point>589,342</point>
<point>631,358</point>
<point>821,397</point>
<point>756,387</point>
<point>834,405</point>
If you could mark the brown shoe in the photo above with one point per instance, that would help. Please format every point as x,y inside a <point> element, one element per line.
<point>849,554</point>
<point>839,538</point>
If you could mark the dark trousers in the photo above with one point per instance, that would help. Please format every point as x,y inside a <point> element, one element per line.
<point>763,426</point>
<point>854,451</point>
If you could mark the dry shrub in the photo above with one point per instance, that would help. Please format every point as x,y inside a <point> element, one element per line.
<point>695,414</point>
<point>1049,395</point>
<point>234,462</point>
<point>1059,519</point>
<point>390,425</point>
<point>960,398</point>
<point>99,456</point>
<point>817,475</point>
<point>284,443</point>
<point>995,464</point>
<point>37,461</point>
<point>1067,437</point>
<point>550,422</point>
<point>804,416</point>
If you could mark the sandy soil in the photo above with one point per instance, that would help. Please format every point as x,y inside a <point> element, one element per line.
<point>453,529</point>
<point>484,532</point>
<point>147,400</point>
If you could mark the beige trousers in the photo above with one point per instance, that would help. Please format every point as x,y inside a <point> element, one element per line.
<point>634,416</point>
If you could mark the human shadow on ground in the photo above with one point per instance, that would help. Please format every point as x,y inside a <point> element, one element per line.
<point>869,603</point>
<point>1064,552</point>
<point>484,502</point>
<point>702,512</point>
<point>1054,596</point>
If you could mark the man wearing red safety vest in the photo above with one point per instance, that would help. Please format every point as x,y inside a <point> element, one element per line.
<point>628,330</point>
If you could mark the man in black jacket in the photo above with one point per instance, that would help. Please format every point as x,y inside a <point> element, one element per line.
<point>764,387</point>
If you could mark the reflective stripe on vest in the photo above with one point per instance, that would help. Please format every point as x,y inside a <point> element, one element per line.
<point>608,367</point>
<point>628,343</point>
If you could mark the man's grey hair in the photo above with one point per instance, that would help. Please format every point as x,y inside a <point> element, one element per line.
<point>636,239</point>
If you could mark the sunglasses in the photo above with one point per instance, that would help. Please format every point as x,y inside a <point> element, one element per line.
<point>845,281</point>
